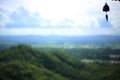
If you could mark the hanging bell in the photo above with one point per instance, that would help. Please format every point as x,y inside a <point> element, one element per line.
<point>106,8</point>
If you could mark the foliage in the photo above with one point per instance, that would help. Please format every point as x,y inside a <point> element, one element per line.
<point>100,53</point>
<point>23,62</point>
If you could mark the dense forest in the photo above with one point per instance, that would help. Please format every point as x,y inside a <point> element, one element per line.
<point>23,62</point>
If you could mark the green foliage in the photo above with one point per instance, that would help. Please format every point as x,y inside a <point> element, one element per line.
<point>100,53</point>
<point>23,62</point>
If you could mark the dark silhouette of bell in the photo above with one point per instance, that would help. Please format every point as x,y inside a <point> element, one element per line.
<point>106,8</point>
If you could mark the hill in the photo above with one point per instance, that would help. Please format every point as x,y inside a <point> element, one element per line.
<point>23,62</point>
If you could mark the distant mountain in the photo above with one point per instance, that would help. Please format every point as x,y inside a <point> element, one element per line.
<point>23,62</point>
<point>61,39</point>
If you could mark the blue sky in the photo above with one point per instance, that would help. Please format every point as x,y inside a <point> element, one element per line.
<point>58,17</point>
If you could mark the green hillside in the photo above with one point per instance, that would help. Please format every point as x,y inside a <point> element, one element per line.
<point>23,62</point>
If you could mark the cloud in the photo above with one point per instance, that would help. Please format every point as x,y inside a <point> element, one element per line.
<point>10,5</point>
<point>114,14</point>
<point>3,17</point>
<point>79,12</point>
<point>22,18</point>
<point>104,24</point>
<point>61,17</point>
<point>56,11</point>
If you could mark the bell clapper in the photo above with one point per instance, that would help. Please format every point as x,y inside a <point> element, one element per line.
<point>106,17</point>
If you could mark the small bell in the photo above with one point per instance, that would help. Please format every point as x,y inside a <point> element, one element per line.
<point>106,9</point>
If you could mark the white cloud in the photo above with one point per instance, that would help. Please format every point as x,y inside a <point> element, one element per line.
<point>10,5</point>
<point>64,17</point>
<point>115,14</point>
<point>4,17</point>
<point>58,10</point>
<point>80,12</point>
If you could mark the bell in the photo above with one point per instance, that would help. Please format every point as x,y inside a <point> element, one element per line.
<point>106,8</point>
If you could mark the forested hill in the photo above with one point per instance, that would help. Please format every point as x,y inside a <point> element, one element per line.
<point>23,62</point>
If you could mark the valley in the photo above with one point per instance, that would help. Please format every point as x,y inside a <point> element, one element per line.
<point>59,58</point>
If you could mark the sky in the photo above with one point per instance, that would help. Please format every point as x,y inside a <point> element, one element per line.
<point>58,17</point>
